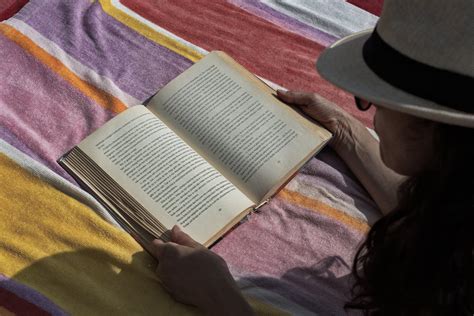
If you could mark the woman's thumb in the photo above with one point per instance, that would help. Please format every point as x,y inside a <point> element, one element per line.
<point>296,97</point>
<point>181,238</point>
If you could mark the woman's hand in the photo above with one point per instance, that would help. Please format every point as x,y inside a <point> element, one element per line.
<point>354,144</point>
<point>336,120</point>
<point>194,275</point>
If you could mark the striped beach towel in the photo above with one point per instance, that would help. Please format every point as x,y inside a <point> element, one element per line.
<point>68,66</point>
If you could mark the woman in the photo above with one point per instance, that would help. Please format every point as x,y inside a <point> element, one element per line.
<point>415,68</point>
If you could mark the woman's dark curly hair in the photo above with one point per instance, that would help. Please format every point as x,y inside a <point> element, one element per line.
<point>418,260</point>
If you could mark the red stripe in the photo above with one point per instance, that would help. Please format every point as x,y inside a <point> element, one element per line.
<point>264,48</point>
<point>8,10</point>
<point>372,6</point>
<point>18,305</point>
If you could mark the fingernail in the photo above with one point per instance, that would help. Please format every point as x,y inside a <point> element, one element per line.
<point>157,241</point>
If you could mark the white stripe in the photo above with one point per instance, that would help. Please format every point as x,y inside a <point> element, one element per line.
<point>82,71</point>
<point>335,17</point>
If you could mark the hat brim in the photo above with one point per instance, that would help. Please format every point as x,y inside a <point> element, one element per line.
<point>343,65</point>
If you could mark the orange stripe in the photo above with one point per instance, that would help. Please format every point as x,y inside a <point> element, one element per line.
<point>322,208</point>
<point>101,97</point>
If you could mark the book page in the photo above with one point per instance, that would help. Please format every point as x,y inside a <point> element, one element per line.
<point>233,120</point>
<point>166,176</point>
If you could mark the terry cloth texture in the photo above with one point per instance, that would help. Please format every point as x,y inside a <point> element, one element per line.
<point>56,245</point>
<point>67,258</point>
<point>69,66</point>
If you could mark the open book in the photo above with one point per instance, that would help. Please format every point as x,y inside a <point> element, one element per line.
<point>209,147</point>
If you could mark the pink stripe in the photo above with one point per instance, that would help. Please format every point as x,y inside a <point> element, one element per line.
<point>40,109</point>
<point>298,253</point>
<point>284,236</point>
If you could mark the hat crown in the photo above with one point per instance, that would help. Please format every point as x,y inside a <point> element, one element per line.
<point>437,33</point>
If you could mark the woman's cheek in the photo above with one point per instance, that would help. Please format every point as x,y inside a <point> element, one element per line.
<point>380,128</point>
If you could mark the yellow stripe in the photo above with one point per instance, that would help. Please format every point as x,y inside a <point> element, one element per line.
<point>150,33</point>
<point>101,97</point>
<point>323,208</point>
<point>61,248</point>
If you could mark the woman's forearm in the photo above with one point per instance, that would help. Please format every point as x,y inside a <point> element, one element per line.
<point>360,151</point>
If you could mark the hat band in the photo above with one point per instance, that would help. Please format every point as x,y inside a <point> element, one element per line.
<point>440,86</point>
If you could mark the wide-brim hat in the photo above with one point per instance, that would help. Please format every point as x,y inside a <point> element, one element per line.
<point>419,60</point>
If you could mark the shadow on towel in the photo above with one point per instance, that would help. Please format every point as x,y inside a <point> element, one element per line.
<point>318,288</point>
<point>92,281</point>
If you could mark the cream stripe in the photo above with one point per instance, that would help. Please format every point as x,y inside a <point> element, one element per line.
<point>320,193</point>
<point>71,63</point>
